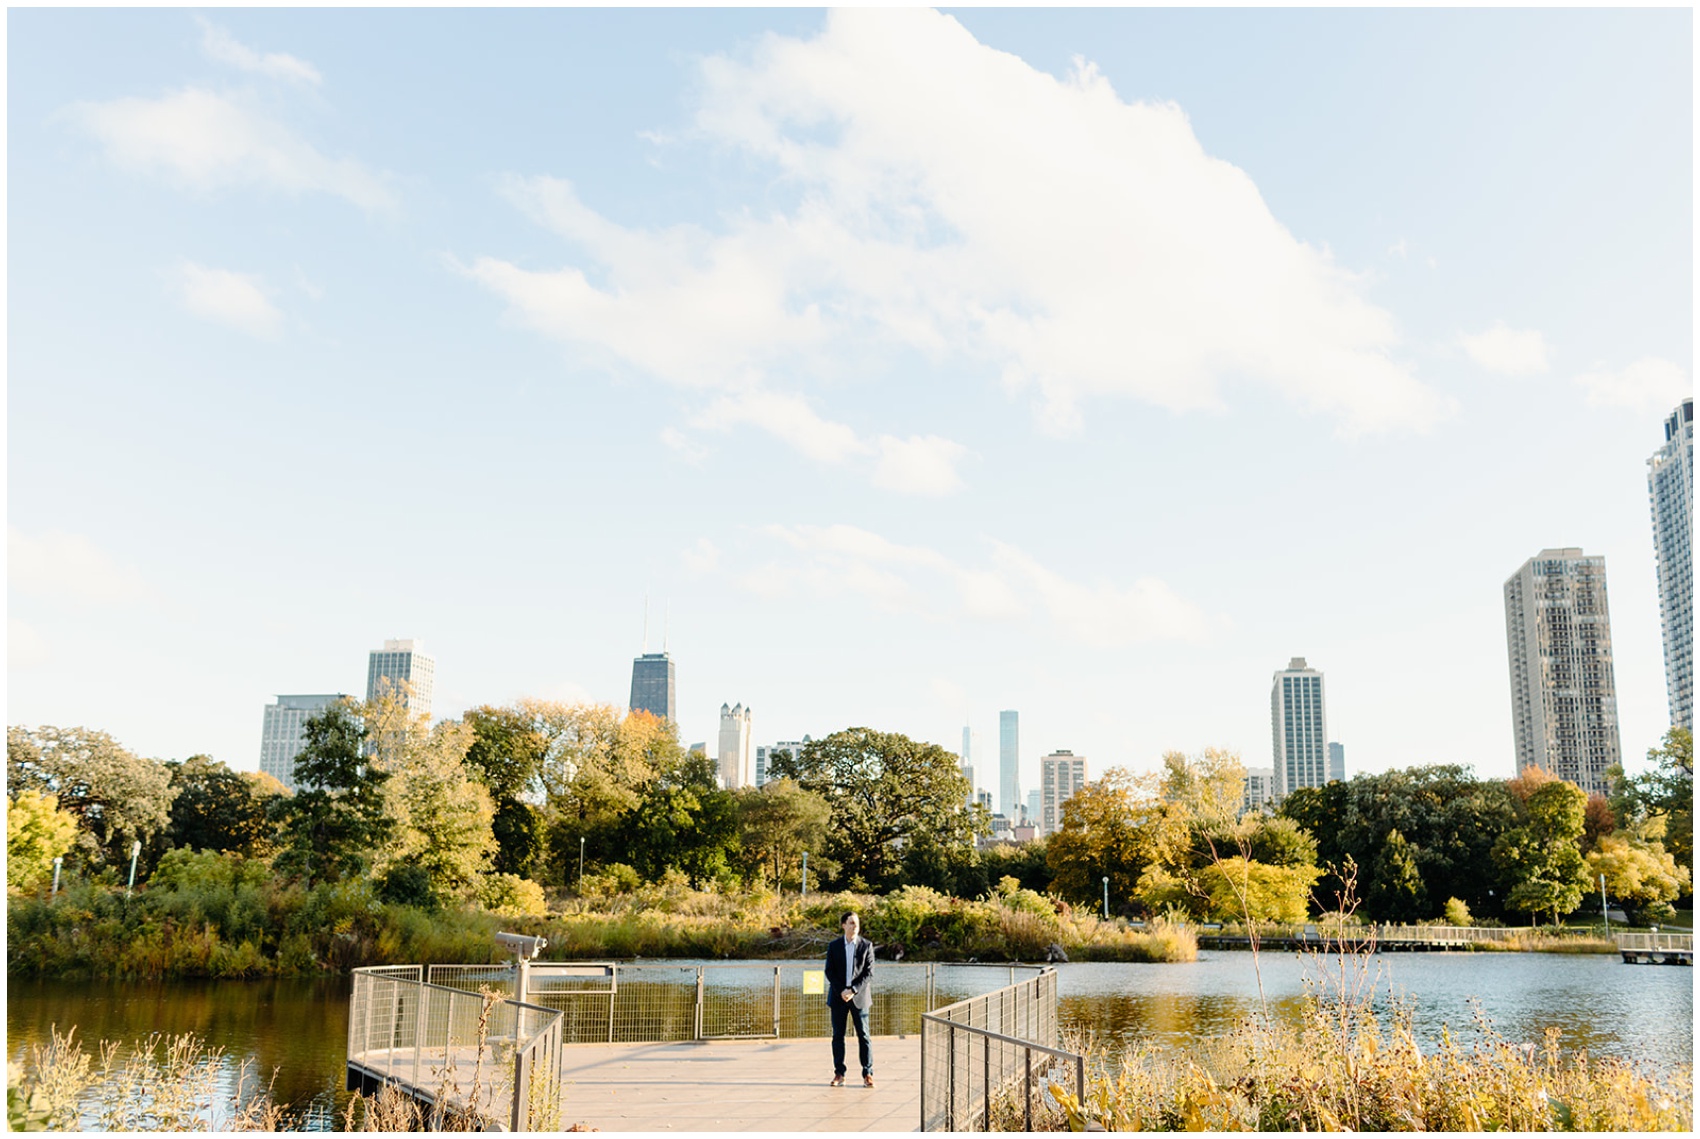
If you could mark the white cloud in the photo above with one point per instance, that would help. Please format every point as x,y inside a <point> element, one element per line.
<point>207,141</point>
<point>1508,351</point>
<point>788,417</point>
<point>236,300</point>
<point>919,465</point>
<point>69,567</point>
<point>680,444</point>
<point>701,558</point>
<point>1399,248</point>
<point>223,47</point>
<point>838,561</point>
<point>1649,385</point>
<point>956,202</point>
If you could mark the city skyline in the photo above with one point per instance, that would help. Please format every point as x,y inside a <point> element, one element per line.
<point>913,408</point>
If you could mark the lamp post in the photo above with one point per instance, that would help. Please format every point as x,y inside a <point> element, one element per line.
<point>805,873</point>
<point>1605,914</point>
<point>135,852</point>
<point>581,865</point>
<point>57,863</point>
<point>1106,898</point>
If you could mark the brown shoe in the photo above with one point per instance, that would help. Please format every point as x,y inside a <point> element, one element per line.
<point>867,1081</point>
<point>837,1082</point>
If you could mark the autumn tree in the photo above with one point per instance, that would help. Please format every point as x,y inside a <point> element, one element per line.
<point>1116,827</point>
<point>37,832</point>
<point>1640,873</point>
<point>117,797</point>
<point>1668,790</point>
<point>885,791</point>
<point>1237,889</point>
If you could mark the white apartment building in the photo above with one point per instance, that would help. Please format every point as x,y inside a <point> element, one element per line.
<point>1670,489</point>
<point>764,757</point>
<point>737,766</point>
<point>1259,789</point>
<point>281,737</point>
<point>1563,693</point>
<point>1061,774</point>
<point>405,667</point>
<point>1298,715</point>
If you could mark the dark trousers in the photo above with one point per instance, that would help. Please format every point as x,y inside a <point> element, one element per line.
<point>842,1011</point>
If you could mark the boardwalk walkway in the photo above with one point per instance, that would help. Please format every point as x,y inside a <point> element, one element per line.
<point>742,1085</point>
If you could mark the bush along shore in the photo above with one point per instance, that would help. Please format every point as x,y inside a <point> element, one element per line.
<point>232,926</point>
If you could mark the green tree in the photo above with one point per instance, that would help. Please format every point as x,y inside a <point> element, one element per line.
<point>37,832</point>
<point>1236,888</point>
<point>777,822</point>
<point>1116,828</point>
<point>1541,861</point>
<point>1668,790</point>
<point>442,815</point>
<point>506,755</point>
<point>117,797</point>
<point>1276,841</point>
<point>885,791</point>
<point>1395,890</point>
<point>331,827</point>
<point>215,808</point>
<point>683,822</point>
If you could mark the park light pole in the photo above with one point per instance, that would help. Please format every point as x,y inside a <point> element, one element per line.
<point>1106,898</point>
<point>805,873</point>
<point>57,863</point>
<point>581,865</point>
<point>135,852</point>
<point>1605,914</point>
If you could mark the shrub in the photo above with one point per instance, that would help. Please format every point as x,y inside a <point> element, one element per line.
<point>510,895</point>
<point>1455,913</point>
<point>408,884</point>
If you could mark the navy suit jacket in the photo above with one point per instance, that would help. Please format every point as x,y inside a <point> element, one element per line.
<point>861,977</point>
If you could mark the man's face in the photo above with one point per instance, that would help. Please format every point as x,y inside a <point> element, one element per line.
<point>851,925</point>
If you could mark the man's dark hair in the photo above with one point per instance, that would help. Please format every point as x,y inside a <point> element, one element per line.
<point>848,914</point>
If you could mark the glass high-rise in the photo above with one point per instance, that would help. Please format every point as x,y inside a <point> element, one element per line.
<point>654,689</point>
<point>1563,692</point>
<point>1670,487</point>
<point>1299,723</point>
<point>404,667</point>
<point>1009,763</point>
<point>281,737</point>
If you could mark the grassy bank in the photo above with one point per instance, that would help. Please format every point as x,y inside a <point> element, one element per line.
<point>1346,1072</point>
<point>234,927</point>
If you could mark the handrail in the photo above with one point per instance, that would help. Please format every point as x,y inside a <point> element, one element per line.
<point>949,1099</point>
<point>1656,942</point>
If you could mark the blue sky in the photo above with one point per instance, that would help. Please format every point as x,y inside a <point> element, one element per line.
<point>914,365</point>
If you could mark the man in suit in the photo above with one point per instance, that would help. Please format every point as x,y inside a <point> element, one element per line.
<point>849,984</point>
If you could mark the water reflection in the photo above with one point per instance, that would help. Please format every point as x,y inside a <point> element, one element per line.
<point>299,1028</point>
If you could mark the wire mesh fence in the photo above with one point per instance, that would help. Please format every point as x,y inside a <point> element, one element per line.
<point>455,1048</point>
<point>611,1002</point>
<point>992,1062</point>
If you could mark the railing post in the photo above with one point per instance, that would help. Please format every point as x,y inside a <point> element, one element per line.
<point>698,1035</point>
<point>950,1103</point>
<point>986,1079</point>
<point>776,1000</point>
<point>522,1080</point>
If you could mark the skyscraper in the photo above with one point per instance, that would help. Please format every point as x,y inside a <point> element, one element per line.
<point>1035,805</point>
<point>1563,693</point>
<point>1061,774</point>
<point>281,736</point>
<point>736,768</point>
<point>1299,722</point>
<point>409,671</point>
<point>968,774</point>
<point>1336,762</point>
<point>653,687</point>
<point>1670,487</point>
<point>1009,763</point>
<point>765,757</point>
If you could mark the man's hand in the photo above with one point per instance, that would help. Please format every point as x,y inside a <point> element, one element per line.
<point>847,995</point>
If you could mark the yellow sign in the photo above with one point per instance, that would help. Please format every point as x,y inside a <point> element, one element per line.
<point>814,982</point>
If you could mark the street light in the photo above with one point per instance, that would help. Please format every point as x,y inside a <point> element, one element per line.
<point>135,852</point>
<point>1605,914</point>
<point>581,865</point>
<point>805,873</point>
<point>57,863</point>
<point>1106,898</point>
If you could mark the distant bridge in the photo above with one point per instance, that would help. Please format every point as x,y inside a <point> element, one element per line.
<point>1380,938</point>
<point>1656,948</point>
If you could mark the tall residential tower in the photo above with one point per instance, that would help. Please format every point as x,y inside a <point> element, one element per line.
<point>1670,486</point>
<point>1061,774</point>
<point>1563,694</point>
<point>1299,721</point>
<point>405,668</point>
<point>281,736</point>
<point>1009,763</point>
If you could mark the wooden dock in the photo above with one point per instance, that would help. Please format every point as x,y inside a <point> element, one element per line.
<point>1656,948</point>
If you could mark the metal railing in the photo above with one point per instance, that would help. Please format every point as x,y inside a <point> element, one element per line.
<point>989,1063</point>
<point>611,1002</point>
<point>456,1049</point>
<point>1656,942</point>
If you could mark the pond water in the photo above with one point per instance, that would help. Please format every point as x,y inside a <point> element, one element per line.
<point>298,1028</point>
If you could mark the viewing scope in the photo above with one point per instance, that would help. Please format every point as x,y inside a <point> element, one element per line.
<point>521,946</point>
